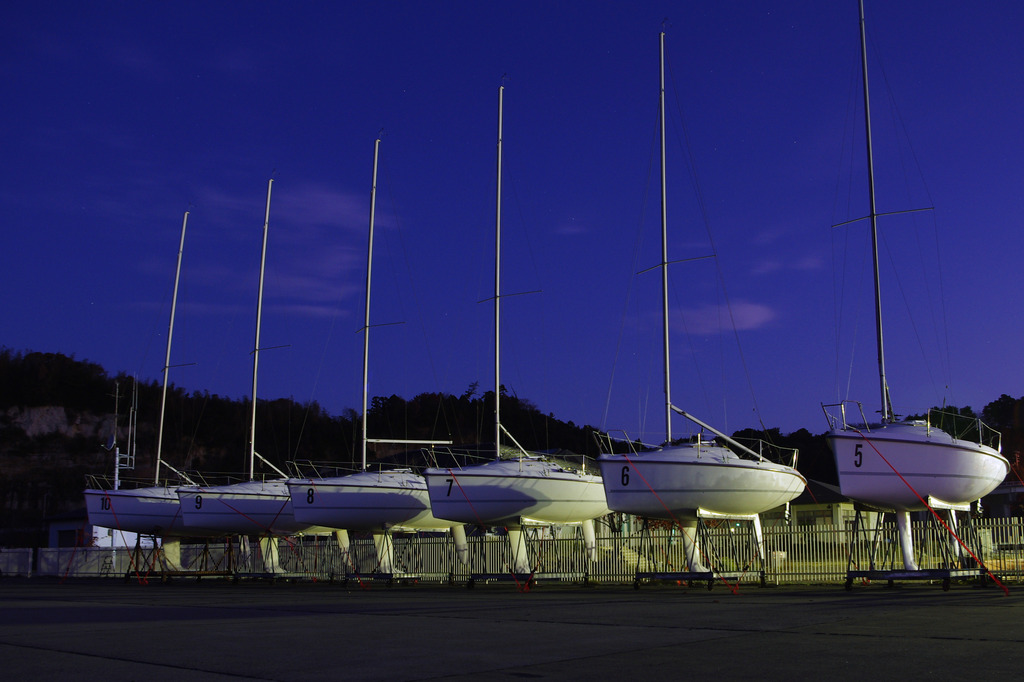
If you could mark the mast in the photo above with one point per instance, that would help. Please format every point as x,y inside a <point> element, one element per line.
<point>256,347</point>
<point>497,292</point>
<point>664,250</point>
<point>133,422</point>
<point>167,357</point>
<point>886,410</point>
<point>366,322</point>
<point>113,444</point>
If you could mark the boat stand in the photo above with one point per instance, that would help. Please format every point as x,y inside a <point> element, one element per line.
<point>143,561</point>
<point>205,566</point>
<point>388,563</point>
<point>947,560</point>
<point>406,557</point>
<point>529,580</point>
<point>388,579</point>
<point>155,561</point>
<point>519,554</point>
<point>739,549</point>
<point>517,559</point>
<point>260,559</point>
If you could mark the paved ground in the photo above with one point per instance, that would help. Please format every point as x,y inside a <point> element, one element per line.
<point>216,630</point>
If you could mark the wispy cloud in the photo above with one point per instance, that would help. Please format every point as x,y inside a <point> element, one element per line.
<point>766,267</point>
<point>716,319</point>
<point>225,310</point>
<point>238,62</point>
<point>810,263</point>
<point>572,228</point>
<point>316,248</point>
<point>217,201</point>
<point>298,205</point>
<point>771,266</point>
<point>766,234</point>
<point>324,277</point>
<point>322,248</point>
<point>312,311</point>
<point>136,59</point>
<point>318,204</point>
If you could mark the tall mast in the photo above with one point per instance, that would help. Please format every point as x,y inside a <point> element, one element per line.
<point>497,292</point>
<point>113,444</point>
<point>256,347</point>
<point>167,357</point>
<point>366,321</point>
<point>887,414</point>
<point>664,250</point>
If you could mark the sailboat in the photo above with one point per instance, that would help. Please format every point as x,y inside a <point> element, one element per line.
<point>681,482</point>
<point>376,501</point>
<point>524,488</point>
<point>154,509</point>
<point>903,466</point>
<point>258,506</point>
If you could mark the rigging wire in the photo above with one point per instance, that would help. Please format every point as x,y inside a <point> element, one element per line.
<point>317,375</point>
<point>510,178</point>
<point>400,233</point>
<point>683,143</point>
<point>940,329</point>
<point>637,246</point>
<point>839,273</point>
<point>723,291</point>
<point>217,370</point>
<point>894,121</point>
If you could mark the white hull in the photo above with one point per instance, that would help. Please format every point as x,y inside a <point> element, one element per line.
<point>677,481</point>
<point>148,511</point>
<point>252,508</point>
<point>365,501</point>
<point>507,492</point>
<point>928,459</point>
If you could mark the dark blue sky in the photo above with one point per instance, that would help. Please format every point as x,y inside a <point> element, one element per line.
<point>118,117</point>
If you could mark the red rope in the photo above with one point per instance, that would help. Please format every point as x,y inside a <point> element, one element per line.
<point>462,490</point>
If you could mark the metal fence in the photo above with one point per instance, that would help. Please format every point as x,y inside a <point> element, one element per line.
<point>16,562</point>
<point>792,555</point>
